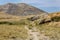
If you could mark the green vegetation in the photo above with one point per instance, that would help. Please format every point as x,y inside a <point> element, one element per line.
<point>56,18</point>
<point>21,22</point>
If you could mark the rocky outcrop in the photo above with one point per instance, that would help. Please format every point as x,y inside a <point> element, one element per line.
<point>45,21</point>
<point>33,18</point>
<point>43,18</point>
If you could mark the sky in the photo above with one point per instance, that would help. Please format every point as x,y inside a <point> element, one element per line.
<point>46,5</point>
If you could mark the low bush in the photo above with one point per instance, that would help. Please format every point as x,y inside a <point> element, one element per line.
<point>56,18</point>
<point>6,22</point>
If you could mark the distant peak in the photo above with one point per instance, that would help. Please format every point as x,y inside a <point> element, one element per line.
<point>21,9</point>
<point>10,3</point>
<point>23,4</point>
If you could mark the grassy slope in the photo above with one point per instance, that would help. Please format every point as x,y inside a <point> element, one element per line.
<point>16,29</point>
<point>11,27</point>
<point>51,29</point>
<point>12,32</point>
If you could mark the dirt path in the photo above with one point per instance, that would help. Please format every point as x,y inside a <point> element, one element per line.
<point>35,35</point>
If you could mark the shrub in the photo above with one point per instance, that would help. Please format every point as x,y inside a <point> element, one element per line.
<point>56,18</point>
<point>5,22</point>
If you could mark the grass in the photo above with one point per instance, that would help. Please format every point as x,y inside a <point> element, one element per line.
<point>12,32</point>
<point>51,30</point>
<point>14,28</point>
<point>17,29</point>
<point>56,18</point>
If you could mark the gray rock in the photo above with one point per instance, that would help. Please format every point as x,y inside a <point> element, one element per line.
<point>33,18</point>
<point>45,21</point>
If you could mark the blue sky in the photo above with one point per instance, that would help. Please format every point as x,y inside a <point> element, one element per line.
<point>47,5</point>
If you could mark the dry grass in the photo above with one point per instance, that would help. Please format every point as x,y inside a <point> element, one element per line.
<point>52,30</point>
<point>8,17</point>
<point>54,14</point>
<point>17,29</point>
<point>12,32</point>
<point>11,27</point>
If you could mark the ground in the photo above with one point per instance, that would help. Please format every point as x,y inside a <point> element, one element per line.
<point>17,28</point>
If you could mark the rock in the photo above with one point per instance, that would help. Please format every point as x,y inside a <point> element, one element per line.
<point>45,21</point>
<point>42,21</point>
<point>33,18</point>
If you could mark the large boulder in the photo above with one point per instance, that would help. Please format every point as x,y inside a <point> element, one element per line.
<point>45,21</point>
<point>33,18</point>
<point>40,16</point>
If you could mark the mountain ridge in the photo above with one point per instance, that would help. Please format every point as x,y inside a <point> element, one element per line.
<point>20,9</point>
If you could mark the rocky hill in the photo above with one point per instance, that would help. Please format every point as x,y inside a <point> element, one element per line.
<point>21,9</point>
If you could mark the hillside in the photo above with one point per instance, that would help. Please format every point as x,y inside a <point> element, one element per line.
<point>55,14</point>
<point>24,22</point>
<point>21,9</point>
<point>23,28</point>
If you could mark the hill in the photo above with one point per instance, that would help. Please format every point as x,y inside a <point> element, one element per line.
<point>55,14</point>
<point>16,28</point>
<point>21,9</point>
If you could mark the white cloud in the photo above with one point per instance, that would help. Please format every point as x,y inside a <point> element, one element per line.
<point>41,3</point>
<point>31,1</point>
<point>44,3</point>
